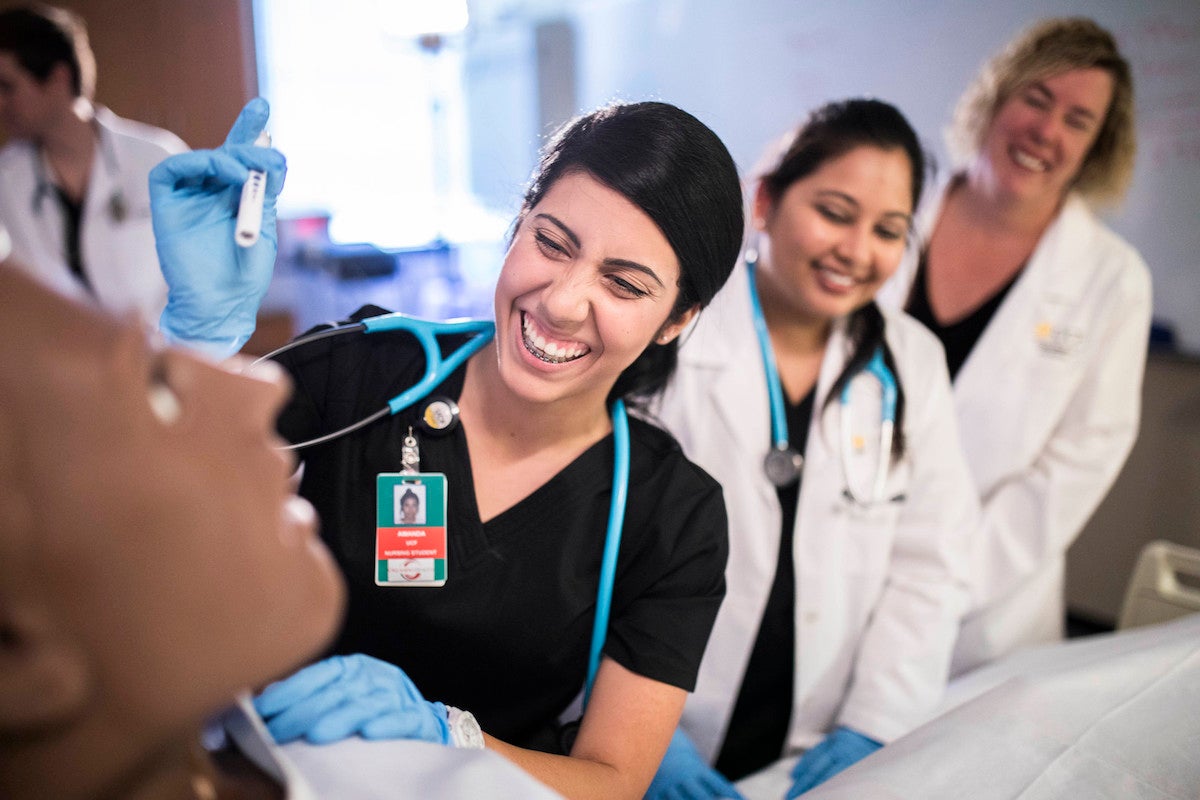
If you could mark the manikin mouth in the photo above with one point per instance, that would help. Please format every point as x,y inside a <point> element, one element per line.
<point>550,352</point>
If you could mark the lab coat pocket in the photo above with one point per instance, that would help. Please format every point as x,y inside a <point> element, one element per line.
<point>867,530</point>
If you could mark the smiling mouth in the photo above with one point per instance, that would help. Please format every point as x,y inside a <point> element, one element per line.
<point>1029,162</point>
<point>550,352</point>
<point>838,279</point>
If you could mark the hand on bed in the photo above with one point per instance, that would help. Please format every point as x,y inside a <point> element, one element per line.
<point>684,775</point>
<point>838,750</point>
<point>344,696</point>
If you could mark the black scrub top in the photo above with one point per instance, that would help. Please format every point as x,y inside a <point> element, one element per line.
<point>958,338</point>
<point>507,637</point>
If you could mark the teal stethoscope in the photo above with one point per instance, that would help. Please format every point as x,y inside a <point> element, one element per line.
<point>782,463</point>
<point>437,369</point>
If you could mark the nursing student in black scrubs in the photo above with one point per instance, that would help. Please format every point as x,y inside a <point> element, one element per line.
<point>631,223</point>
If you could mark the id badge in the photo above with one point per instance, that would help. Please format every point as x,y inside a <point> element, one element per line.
<point>410,529</point>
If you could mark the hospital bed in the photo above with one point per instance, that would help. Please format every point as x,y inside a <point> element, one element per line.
<point>1106,716</point>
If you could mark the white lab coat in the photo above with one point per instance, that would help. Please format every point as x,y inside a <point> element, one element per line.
<point>879,592</point>
<point>118,255</point>
<point>1047,404</point>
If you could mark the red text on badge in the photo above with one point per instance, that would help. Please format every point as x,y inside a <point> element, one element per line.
<point>429,542</point>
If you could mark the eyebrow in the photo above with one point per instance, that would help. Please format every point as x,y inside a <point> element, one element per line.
<point>612,262</point>
<point>845,198</point>
<point>570,234</point>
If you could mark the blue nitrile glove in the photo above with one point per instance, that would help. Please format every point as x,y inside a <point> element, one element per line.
<point>838,750</point>
<point>342,696</point>
<point>215,286</point>
<point>684,775</point>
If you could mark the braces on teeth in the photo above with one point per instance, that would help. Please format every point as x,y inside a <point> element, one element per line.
<point>528,338</point>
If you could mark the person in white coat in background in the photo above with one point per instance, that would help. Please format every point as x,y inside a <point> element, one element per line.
<point>1044,313</point>
<point>847,567</point>
<point>73,176</point>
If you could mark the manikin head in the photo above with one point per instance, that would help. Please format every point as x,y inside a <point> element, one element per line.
<point>153,561</point>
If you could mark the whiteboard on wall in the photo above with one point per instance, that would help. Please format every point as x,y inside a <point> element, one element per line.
<point>751,69</point>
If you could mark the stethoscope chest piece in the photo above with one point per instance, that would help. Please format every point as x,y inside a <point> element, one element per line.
<point>783,465</point>
<point>118,209</point>
<point>440,415</point>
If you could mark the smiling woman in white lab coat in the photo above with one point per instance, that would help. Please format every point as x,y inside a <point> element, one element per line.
<point>1045,310</point>
<point>845,583</point>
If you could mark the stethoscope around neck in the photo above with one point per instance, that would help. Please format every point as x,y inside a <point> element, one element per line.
<point>117,206</point>
<point>783,464</point>
<point>437,369</point>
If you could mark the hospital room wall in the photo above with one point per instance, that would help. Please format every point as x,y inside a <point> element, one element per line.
<point>184,66</point>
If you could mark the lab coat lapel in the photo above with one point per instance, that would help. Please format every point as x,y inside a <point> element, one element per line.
<point>821,467</point>
<point>995,371</point>
<point>731,351</point>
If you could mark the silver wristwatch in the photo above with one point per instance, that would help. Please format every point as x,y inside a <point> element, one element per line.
<point>464,729</point>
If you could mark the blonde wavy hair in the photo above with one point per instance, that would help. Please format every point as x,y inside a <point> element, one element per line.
<point>1047,48</point>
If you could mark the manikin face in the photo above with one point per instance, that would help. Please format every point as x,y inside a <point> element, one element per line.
<point>836,235</point>
<point>588,283</point>
<point>1041,135</point>
<point>26,105</point>
<point>162,530</point>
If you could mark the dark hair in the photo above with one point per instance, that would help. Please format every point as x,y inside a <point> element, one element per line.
<point>831,131</point>
<point>675,169</point>
<point>407,494</point>
<point>835,129</point>
<point>41,37</point>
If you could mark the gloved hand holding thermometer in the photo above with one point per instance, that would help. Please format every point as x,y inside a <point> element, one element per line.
<point>216,282</point>
<point>250,207</point>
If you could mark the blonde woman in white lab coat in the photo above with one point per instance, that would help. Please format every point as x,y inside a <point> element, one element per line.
<point>843,598</point>
<point>1046,311</point>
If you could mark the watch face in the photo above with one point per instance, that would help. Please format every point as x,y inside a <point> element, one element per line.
<point>465,730</point>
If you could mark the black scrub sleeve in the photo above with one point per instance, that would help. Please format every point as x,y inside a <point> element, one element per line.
<point>669,591</point>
